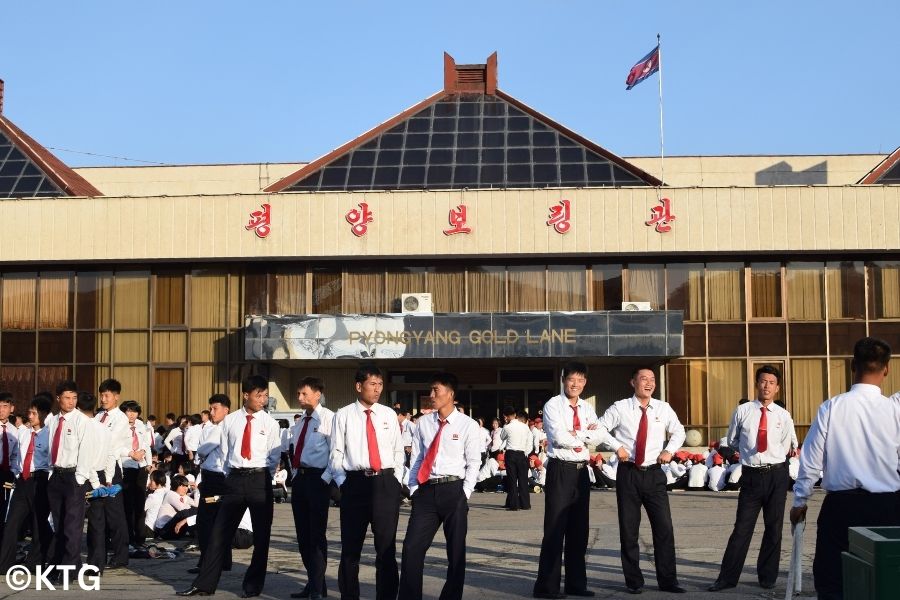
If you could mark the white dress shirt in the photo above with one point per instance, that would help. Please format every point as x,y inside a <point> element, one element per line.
<point>152,506</point>
<point>140,430</point>
<point>496,440</point>
<point>349,449</point>
<point>174,441</point>
<point>859,422</point>
<point>715,478</point>
<point>538,436</point>
<point>697,476</point>
<point>40,459</point>
<point>517,436</point>
<point>486,440</point>
<point>621,422</point>
<point>458,454</point>
<point>209,452</point>
<point>74,443</point>
<point>192,437</point>
<point>559,421</point>
<point>12,435</point>
<point>317,444</point>
<point>97,438</point>
<point>406,433</point>
<point>782,438</point>
<point>119,438</point>
<point>265,441</point>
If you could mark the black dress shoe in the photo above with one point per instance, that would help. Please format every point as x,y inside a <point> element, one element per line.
<point>672,589</point>
<point>246,594</point>
<point>718,584</point>
<point>192,591</point>
<point>582,593</point>
<point>548,594</point>
<point>637,590</point>
<point>766,586</point>
<point>193,570</point>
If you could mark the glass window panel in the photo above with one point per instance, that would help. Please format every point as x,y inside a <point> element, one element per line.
<point>55,301</point>
<point>19,381</point>
<point>527,288</point>
<point>725,291</point>
<point>727,340</point>
<point>412,176</point>
<point>134,386</point>
<point>805,291</point>
<point>606,284</point>
<point>49,376</point>
<point>546,174</point>
<point>290,291</point>
<point>694,340</point>
<point>765,290</point>
<point>387,176</point>
<point>132,300</point>
<point>326,292</point>
<point>208,346</point>
<point>686,391</point>
<point>19,294</point>
<point>889,331</point>
<point>845,284</point>
<point>518,139</point>
<point>363,158</point>
<point>684,286</point>
<point>94,300</point>
<point>92,347</point>
<point>768,339</point>
<point>807,339</point>
<point>168,305</point>
<point>842,337</point>
<point>487,289</point>
<point>891,383</point>
<point>208,299</point>
<point>256,293</point>
<point>839,376</point>
<point>88,377</point>
<point>566,287</point>
<point>809,388</point>
<point>169,346</point>
<point>645,284</point>
<point>55,346</point>
<point>17,347</point>
<point>235,347</point>
<point>885,283</point>
<point>235,316</point>
<point>727,384</point>
<point>363,291</point>
<point>202,385</point>
<point>403,281</point>
<point>130,347</point>
<point>360,177</point>
<point>448,290</point>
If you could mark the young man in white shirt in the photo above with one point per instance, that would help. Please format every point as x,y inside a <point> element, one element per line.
<point>446,457</point>
<point>637,428</point>
<point>134,472</point>
<point>518,441</point>
<point>366,457</point>
<point>861,493</point>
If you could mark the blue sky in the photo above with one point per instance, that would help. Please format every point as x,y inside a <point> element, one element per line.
<point>226,81</point>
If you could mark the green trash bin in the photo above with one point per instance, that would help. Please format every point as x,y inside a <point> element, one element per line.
<point>871,567</point>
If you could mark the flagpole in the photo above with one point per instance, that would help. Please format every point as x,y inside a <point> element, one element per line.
<point>662,166</point>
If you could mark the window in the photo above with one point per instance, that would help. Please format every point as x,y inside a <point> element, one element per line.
<point>448,290</point>
<point>326,292</point>
<point>684,287</point>
<point>132,300</point>
<point>805,291</point>
<point>645,284</point>
<point>94,301</point>
<point>725,285</point>
<point>401,281</point>
<point>19,300</point>
<point>487,289</point>
<point>289,293</point>
<point>55,301</point>
<point>845,283</point>
<point>885,283</point>
<point>765,290</point>
<point>527,289</point>
<point>566,287</point>
<point>208,299</point>
<point>168,303</point>
<point>363,291</point>
<point>727,384</point>
<point>606,284</point>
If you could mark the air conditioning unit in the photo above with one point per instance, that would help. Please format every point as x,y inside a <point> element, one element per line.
<point>415,303</point>
<point>632,306</point>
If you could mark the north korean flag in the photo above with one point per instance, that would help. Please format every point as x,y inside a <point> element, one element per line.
<point>644,68</point>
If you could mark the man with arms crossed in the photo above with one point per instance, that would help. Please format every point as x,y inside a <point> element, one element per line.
<point>446,457</point>
<point>861,422</point>
<point>763,433</point>
<point>637,428</point>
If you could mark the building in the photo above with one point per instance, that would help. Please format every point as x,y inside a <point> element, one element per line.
<point>528,238</point>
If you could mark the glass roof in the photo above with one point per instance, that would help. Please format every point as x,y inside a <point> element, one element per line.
<point>474,141</point>
<point>19,176</point>
<point>892,175</point>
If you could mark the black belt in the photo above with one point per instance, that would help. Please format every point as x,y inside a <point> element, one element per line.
<point>572,464</point>
<point>438,480</point>
<point>243,472</point>
<point>765,468</point>
<point>519,451</point>
<point>309,471</point>
<point>207,473</point>
<point>652,467</point>
<point>370,472</point>
<point>63,469</point>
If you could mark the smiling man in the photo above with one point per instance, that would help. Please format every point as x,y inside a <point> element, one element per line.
<point>637,427</point>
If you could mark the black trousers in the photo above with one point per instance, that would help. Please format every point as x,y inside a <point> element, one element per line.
<point>6,476</point>
<point>310,500</point>
<point>134,494</point>
<point>368,501</point>
<point>432,506</point>
<point>211,484</point>
<point>766,490</point>
<point>636,488</point>
<point>517,494</point>
<point>106,520</point>
<point>28,506</point>
<point>243,489</point>
<point>67,506</point>
<point>167,532</point>
<point>840,511</point>
<point>566,522</point>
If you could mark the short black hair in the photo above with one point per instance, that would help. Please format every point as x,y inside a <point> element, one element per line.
<point>205,411</point>
<point>445,379</point>
<point>110,385</point>
<point>509,411</point>
<point>313,383</point>
<point>130,405</point>
<point>42,402</point>
<point>574,368</point>
<point>642,368</point>
<point>171,416</point>
<point>158,477</point>
<point>768,370</point>
<point>253,383</point>
<point>151,417</point>
<point>86,401</point>
<point>220,399</point>
<point>367,370</point>
<point>178,481</point>
<point>195,419</point>
<point>6,397</point>
<point>66,385</point>
<point>870,355</point>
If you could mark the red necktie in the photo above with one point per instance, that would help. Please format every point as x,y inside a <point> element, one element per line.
<point>300,442</point>
<point>5,465</point>
<point>135,444</point>
<point>372,442</point>
<point>640,444</point>
<point>103,418</point>
<point>428,463</point>
<point>762,433</point>
<point>54,451</point>
<point>576,422</point>
<point>26,468</point>
<point>245,441</point>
